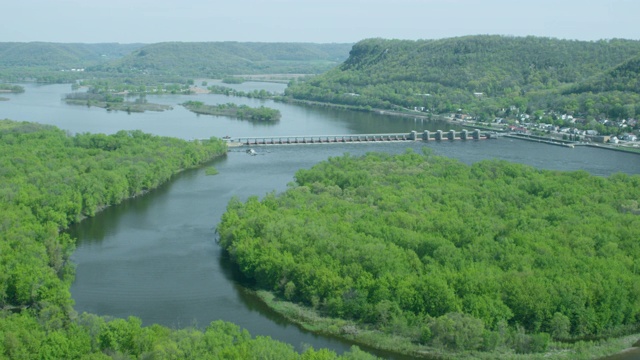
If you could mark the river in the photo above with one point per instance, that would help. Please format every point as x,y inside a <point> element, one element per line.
<point>155,257</point>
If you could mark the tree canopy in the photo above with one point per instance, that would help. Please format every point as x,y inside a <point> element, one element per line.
<point>160,62</point>
<point>49,179</point>
<point>483,75</point>
<point>217,59</point>
<point>261,113</point>
<point>450,255</point>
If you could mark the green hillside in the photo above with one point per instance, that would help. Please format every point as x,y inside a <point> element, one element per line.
<point>624,77</point>
<point>214,59</point>
<point>478,74</point>
<point>59,56</point>
<point>53,62</point>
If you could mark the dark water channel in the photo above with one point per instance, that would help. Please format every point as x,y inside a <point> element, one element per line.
<point>155,257</point>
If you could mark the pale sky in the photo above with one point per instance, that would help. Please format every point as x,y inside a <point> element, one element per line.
<point>319,21</point>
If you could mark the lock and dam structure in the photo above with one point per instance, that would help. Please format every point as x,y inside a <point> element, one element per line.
<point>426,135</point>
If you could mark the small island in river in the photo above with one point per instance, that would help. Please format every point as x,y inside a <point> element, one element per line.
<point>8,88</point>
<point>113,102</point>
<point>232,110</point>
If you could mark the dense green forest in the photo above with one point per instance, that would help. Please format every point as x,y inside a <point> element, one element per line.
<point>48,180</point>
<point>243,112</point>
<point>485,76</point>
<point>492,256</point>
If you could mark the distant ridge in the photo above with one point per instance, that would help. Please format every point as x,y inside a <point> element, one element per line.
<point>58,56</point>
<point>481,75</point>
<point>47,62</point>
<point>210,59</point>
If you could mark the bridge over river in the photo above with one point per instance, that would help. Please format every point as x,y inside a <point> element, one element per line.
<point>360,138</point>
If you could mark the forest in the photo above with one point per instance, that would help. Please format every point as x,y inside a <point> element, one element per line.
<point>254,94</point>
<point>445,258</point>
<point>485,76</point>
<point>243,112</point>
<point>50,179</point>
<point>491,257</point>
<point>219,59</point>
<point>163,62</point>
<point>112,102</point>
<point>53,62</point>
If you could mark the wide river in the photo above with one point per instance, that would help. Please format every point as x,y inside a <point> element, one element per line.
<point>155,257</point>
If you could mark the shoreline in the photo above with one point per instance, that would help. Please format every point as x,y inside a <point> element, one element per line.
<point>311,321</point>
<point>146,191</point>
<point>487,127</point>
<point>123,106</point>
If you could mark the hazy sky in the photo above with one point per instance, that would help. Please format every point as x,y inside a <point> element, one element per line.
<point>341,21</point>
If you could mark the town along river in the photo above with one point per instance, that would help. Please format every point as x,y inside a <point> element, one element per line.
<point>155,257</point>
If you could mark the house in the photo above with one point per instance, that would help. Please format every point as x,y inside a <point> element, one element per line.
<point>603,139</point>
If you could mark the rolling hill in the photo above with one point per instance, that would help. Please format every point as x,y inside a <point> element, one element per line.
<point>59,56</point>
<point>214,59</point>
<point>479,74</point>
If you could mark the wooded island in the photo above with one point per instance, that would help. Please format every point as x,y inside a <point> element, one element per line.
<point>242,112</point>
<point>442,256</point>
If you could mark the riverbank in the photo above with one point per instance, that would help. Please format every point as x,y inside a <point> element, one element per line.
<point>613,148</point>
<point>540,139</point>
<point>466,124</point>
<point>310,320</point>
<point>632,353</point>
<point>63,180</point>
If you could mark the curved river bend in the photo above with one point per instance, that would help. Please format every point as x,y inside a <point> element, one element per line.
<point>155,257</point>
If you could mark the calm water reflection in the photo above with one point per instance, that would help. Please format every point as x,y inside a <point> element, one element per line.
<point>155,257</point>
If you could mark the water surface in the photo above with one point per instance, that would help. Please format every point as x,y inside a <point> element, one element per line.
<point>155,257</point>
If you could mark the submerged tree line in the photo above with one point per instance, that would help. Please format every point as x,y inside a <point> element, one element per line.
<point>49,180</point>
<point>494,257</point>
